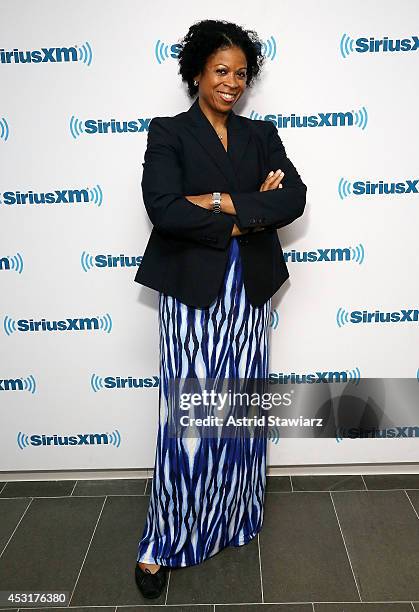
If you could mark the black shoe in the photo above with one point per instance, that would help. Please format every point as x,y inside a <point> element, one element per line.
<point>150,585</point>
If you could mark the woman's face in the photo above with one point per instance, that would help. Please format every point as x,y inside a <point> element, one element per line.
<point>223,79</point>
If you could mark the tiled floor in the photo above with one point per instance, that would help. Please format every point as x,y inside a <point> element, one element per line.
<point>328,544</point>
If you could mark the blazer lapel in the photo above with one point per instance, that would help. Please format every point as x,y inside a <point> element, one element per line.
<point>238,135</point>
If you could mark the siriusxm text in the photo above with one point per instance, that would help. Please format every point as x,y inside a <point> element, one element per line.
<point>386,44</point>
<point>378,316</point>
<point>58,196</point>
<point>37,56</point>
<point>280,378</point>
<point>381,187</point>
<point>340,119</point>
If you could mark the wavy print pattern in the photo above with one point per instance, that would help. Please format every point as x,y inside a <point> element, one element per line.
<point>207,493</point>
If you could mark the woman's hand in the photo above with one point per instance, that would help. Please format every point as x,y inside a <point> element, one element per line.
<point>204,200</point>
<point>272,181</point>
<point>237,232</point>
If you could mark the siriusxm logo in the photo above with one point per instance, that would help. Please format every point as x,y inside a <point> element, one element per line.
<point>52,55</point>
<point>338,119</point>
<point>98,383</point>
<point>4,129</point>
<point>12,262</point>
<point>350,253</point>
<point>274,320</point>
<point>376,316</point>
<point>18,384</point>
<point>108,261</point>
<point>374,432</point>
<point>346,188</point>
<point>80,439</point>
<point>164,51</point>
<point>376,45</point>
<point>279,378</point>
<point>87,195</point>
<point>97,126</point>
<point>274,434</point>
<point>100,323</point>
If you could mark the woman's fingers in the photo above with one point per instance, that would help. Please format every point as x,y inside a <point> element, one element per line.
<point>277,182</point>
<point>273,180</point>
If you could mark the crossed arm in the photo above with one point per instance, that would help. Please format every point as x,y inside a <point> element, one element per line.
<point>272,181</point>
<point>279,201</point>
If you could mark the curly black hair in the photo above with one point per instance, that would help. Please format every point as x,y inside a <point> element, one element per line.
<point>207,36</point>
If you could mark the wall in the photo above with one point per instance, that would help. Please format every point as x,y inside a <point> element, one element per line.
<point>75,257</point>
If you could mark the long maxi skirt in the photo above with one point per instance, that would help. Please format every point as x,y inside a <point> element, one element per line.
<point>207,494</point>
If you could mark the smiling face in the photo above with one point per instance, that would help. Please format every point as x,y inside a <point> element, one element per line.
<point>223,79</point>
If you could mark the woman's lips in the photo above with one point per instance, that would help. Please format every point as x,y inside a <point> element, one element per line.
<point>229,98</point>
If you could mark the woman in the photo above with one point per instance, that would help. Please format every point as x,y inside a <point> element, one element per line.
<point>215,259</point>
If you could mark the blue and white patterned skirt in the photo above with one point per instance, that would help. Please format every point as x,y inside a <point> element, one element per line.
<point>207,493</point>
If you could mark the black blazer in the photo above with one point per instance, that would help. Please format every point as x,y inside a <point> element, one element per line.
<point>186,254</point>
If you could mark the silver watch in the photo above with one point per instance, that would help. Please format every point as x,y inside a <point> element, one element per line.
<point>216,202</point>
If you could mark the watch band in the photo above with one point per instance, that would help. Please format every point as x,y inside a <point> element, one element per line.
<point>216,202</point>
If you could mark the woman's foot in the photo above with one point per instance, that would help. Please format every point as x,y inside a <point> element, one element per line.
<point>151,566</point>
<point>150,579</point>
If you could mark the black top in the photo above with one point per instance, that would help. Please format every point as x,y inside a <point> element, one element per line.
<point>186,254</point>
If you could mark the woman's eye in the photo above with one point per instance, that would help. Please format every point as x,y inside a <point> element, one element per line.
<point>241,75</point>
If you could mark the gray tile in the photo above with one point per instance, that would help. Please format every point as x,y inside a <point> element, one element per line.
<point>302,553</point>
<point>332,482</point>
<point>11,511</point>
<point>266,608</point>
<point>202,608</point>
<point>90,609</point>
<point>121,486</point>
<point>48,547</point>
<point>38,488</point>
<point>278,483</point>
<point>363,607</point>
<point>231,575</point>
<point>148,486</point>
<point>413,496</point>
<point>382,536</point>
<point>392,481</point>
<point>107,577</point>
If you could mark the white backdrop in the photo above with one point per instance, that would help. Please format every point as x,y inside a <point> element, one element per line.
<point>73,255</point>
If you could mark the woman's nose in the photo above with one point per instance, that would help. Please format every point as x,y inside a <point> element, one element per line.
<point>231,81</point>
